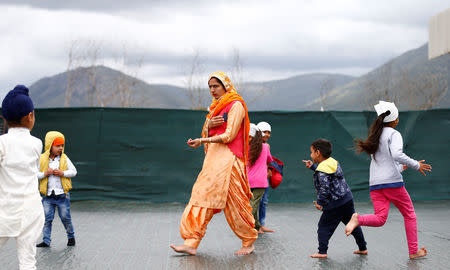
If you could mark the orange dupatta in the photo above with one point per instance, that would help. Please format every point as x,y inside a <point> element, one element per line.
<point>218,105</point>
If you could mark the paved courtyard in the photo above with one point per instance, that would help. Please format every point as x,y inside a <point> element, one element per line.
<point>127,235</point>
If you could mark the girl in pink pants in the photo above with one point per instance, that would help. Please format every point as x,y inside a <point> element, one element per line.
<point>385,146</point>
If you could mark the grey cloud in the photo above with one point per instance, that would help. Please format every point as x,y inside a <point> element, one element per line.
<point>99,5</point>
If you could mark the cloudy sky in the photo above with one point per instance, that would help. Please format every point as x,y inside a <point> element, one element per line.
<point>159,38</point>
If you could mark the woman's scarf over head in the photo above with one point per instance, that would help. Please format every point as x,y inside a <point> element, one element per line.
<point>219,104</point>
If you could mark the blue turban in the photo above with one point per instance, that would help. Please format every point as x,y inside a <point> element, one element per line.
<point>17,103</point>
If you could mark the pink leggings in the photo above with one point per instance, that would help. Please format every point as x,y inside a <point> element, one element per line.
<point>381,198</point>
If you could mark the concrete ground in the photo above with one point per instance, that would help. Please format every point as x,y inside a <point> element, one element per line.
<point>126,235</point>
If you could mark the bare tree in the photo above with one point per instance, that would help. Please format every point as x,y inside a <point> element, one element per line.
<point>83,54</point>
<point>380,86</point>
<point>125,83</point>
<point>421,91</point>
<point>88,54</point>
<point>250,92</point>
<point>237,70</point>
<point>194,82</point>
<point>70,75</point>
<point>327,84</point>
<point>409,90</point>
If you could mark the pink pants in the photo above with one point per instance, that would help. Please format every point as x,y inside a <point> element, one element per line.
<point>381,199</point>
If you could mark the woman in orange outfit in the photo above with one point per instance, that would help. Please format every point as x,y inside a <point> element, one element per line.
<point>222,184</point>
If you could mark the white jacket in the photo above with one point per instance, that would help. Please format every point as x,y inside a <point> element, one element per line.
<point>19,160</point>
<point>386,164</point>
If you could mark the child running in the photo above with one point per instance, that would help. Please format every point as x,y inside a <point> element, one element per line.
<point>259,158</point>
<point>385,146</point>
<point>334,197</point>
<point>21,212</point>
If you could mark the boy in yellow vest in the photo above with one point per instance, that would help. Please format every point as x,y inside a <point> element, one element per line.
<point>56,171</point>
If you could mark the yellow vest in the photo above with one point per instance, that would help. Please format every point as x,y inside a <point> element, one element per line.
<point>45,161</point>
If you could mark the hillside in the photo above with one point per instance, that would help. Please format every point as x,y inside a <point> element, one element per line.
<point>410,80</point>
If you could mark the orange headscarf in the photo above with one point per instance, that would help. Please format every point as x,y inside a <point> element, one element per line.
<point>219,104</point>
<point>58,141</point>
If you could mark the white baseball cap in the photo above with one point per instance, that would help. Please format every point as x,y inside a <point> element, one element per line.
<point>383,107</point>
<point>253,129</point>
<point>264,126</point>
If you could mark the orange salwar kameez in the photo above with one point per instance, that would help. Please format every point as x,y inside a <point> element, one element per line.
<point>222,184</point>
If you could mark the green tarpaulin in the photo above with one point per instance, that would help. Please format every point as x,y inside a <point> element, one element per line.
<point>141,154</point>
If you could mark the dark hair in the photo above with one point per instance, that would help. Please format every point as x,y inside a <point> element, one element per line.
<point>255,147</point>
<point>371,144</point>
<point>217,79</point>
<point>324,146</point>
<point>14,122</point>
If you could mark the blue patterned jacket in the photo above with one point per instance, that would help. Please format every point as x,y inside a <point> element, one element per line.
<point>332,190</point>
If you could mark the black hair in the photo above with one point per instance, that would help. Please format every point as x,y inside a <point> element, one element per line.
<point>14,122</point>
<point>324,146</point>
<point>219,82</point>
<point>255,147</point>
<point>372,142</point>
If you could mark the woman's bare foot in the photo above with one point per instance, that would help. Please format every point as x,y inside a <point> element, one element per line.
<point>352,224</point>
<point>265,229</point>
<point>260,231</point>
<point>318,255</point>
<point>245,250</point>
<point>420,253</point>
<point>184,249</point>
<point>361,252</point>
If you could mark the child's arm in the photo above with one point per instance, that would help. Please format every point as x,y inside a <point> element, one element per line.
<point>42,175</point>
<point>309,164</point>
<point>269,155</point>
<point>323,191</point>
<point>69,173</point>
<point>396,148</point>
<point>71,170</point>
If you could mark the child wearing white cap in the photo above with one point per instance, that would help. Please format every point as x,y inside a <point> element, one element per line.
<point>266,131</point>
<point>385,146</point>
<point>259,159</point>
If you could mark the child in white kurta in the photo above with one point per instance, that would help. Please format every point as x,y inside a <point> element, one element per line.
<point>21,211</point>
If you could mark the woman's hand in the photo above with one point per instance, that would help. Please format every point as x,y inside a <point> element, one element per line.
<point>194,143</point>
<point>215,122</point>
<point>424,167</point>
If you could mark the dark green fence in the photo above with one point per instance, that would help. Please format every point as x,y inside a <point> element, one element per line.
<point>141,154</point>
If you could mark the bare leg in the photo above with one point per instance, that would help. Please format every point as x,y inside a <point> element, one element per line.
<point>184,249</point>
<point>318,255</point>
<point>352,224</point>
<point>420,253</point>
<point>245,250</point>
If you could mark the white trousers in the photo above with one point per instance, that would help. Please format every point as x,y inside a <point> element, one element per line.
<point>32,224</point>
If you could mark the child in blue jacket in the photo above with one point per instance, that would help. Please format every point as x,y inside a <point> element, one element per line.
<point>334,197</point>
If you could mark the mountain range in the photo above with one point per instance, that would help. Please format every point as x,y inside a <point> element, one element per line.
<point>411,80</point>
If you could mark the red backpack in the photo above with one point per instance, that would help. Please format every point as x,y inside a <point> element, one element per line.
<point>276,166</point>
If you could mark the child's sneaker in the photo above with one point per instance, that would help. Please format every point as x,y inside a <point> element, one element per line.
<point>71,242</point>
<point>43,244</point>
